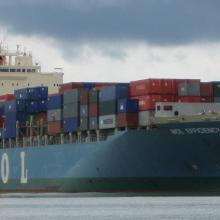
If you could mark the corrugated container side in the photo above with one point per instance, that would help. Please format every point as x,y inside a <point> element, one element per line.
<point>55,127</point>
<point>14,105</point>
<point>2,121</point>
<point>84,98</point>
<point>217,99</point>
<point>42,92</point>
<point>108,107</point>
<point>99,85</point>
<point>188,99</point>
<point>55,115</point>
<point>21,93</point>
<point>71,124</point>
<point>148,102</point>
<point>144,117</point>
<point>71,110</point>
<point>69,86</point>
<point>179,81</point>
<point>127,120</point>
<point>72,96</point>
<point>93,96</point>
<point>42,117</point>
<point>107,121</point>
<point>206,89</point>
<point>216,89</point>
<point>84,124</point>
<point>1,133</point>
<point>127,105</point>
<point>31,118</point>
<point>93,110</point>
<point>54,102</point>
<point>189,89</point>
<point>83,111</point>
<point>113,92</point>
<point>206,99</point>
<point>42,105</point>
<point>32,106</point>
<point>89,85</point>
<point>93,123</point>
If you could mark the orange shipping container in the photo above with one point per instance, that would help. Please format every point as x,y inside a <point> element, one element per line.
<point>55,127</point>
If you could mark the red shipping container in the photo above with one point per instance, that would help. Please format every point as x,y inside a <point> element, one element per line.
<point>93,110</point>
<point>147,102</point>
<point>7,97</point>
<point>103,84</point>
<point>145,87</point>
<point>2,121</point>
<point>71,85</point>
<point>206,99</point>
<point>168,86</point>
<point>42,116</point>
<point>206,89</point>
<point>55,127</point>
<point>188,99</point>
<point>127,120</point>
<point>84,98</point>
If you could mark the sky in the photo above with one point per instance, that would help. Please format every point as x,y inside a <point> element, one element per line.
<point>117,40</point>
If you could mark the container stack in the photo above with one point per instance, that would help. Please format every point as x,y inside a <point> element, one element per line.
<point>71,110</point>
<point>206,92</point>
<point>216,91</point>
<point>108,98</point>
<point>84,107</point>
<point>188,90</point>
<point>150,91</point>
<point>14,112</point>
<point>55,114</point>
<point>127,113</point>
<point>93,110</point>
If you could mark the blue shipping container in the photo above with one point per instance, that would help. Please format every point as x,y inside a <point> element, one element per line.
<point>10,125</point>
<point>42,105</point>
<point>14,106</point>
<point>32,106</point>
<point>21,93</point>
<point>55,102</point>
<point>71,124</point>
<point>41,92</point>
<point>119,91</point>
<point>89,85</point>
<point>127,105</point>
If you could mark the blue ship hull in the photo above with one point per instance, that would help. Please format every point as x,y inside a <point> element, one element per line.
<point>181,157</point>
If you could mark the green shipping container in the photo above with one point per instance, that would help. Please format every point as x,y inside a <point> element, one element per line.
<point>93,96</point>
<point>108,107</point>
<point>216,89</point>
<point>31,118</point>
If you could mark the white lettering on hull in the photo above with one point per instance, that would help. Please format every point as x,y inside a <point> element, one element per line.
<point>24,171</point>
<point>195,131</point>
<point>5,169</point>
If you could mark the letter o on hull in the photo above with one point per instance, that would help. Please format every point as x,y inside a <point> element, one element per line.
<point>5,168</point>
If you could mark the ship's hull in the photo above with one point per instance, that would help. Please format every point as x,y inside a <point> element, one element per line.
<point>183,157</point>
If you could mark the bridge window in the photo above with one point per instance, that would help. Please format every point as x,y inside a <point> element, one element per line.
<point>23,70</point>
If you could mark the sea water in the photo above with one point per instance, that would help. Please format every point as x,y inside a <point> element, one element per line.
<point>56,207</point>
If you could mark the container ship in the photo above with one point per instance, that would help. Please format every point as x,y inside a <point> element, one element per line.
<point>150,135</point>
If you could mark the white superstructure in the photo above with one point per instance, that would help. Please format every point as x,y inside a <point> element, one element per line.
<point>18,71</point>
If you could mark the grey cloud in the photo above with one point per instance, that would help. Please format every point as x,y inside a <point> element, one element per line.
<point>153,21</point>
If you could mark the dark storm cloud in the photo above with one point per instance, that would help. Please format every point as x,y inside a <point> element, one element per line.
<point>153,21</point>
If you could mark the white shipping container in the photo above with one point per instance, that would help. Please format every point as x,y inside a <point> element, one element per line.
<point>170,109</point>
<point>144,117</point>
<point>107,121</point>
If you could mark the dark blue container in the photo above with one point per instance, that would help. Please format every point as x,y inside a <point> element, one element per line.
<point>14,106</point>
<point>10,125</point>
<point>54,102</point>
<point>42,105</point>
<point>127,105</point>
<point>32,106</point>
<point>41,92</point>
<point>71,124</point>
<point>89,85</point>
<point>119,91</point>
<point>21,93</point>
